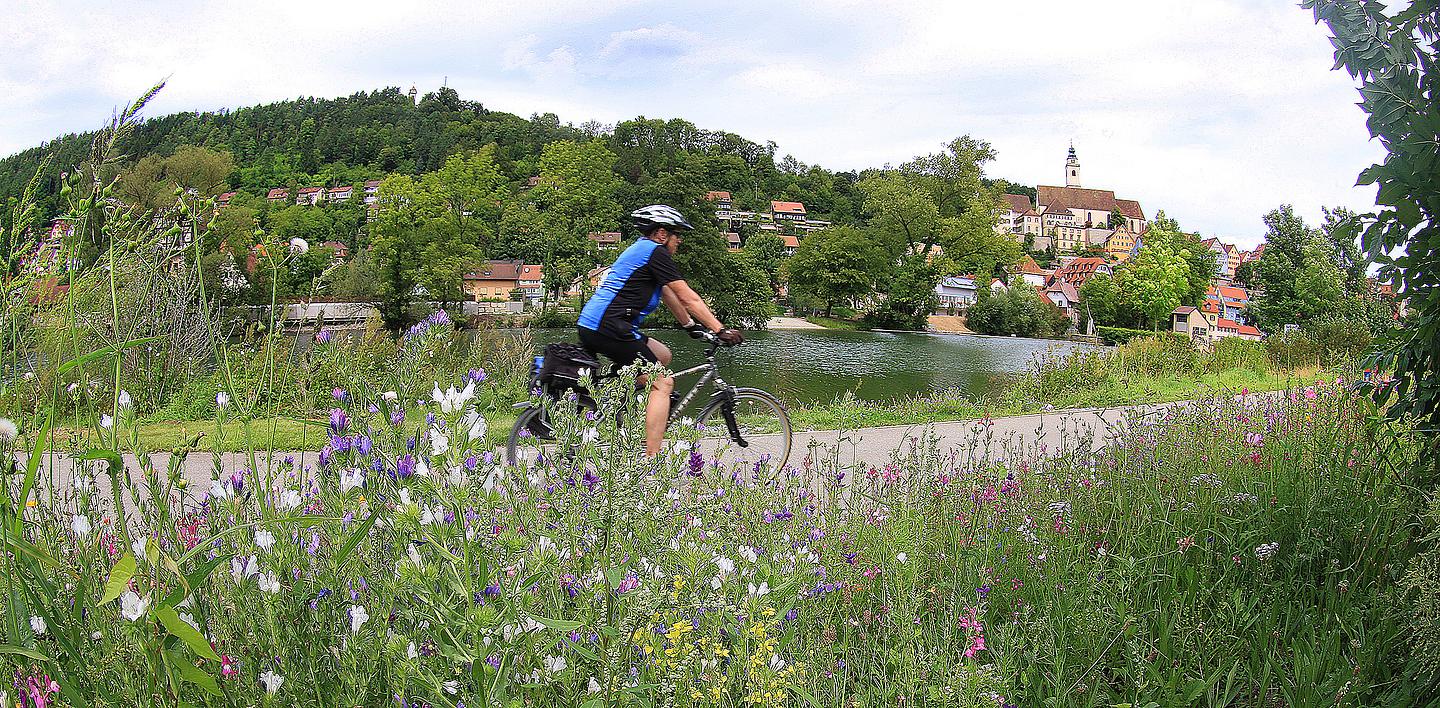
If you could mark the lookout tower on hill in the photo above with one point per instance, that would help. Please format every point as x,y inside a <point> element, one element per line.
<point>1072,168</point>
<point>414,93</point>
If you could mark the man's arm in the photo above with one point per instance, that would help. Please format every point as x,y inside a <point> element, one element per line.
<point>684,302</point>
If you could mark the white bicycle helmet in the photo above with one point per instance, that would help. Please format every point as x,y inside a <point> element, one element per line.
<point>656,216</point>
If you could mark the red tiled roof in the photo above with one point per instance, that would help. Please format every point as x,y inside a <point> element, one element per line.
<point>1066,289</point>
<point>338,190</point>
<point>791,241</point>
<point>787,207</point>
<point>310,190</point>
<point>733,238</point>
<point>373,183</point>
<point>531,272</point>
<point>496,270</point>
<point>713,196</point>
<point>1030,267</point>
<point>605,237</point>
<point>225,197</point>
<point>1183,310</point>
<point>1211,307</point>
<point>1223,323</point>
<point>1234,293</point>
<point>277,193</point>
<point>1019,203</point>
<point>1130,208</point>
<point>1053,198</point>
<point>1250,330</point>
<point>1077,271</point>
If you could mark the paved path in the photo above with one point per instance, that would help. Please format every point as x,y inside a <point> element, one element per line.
<point>1044,433</point>
<point>791,323</point>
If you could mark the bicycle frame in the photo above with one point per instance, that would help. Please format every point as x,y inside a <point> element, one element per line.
<point>712,373</point>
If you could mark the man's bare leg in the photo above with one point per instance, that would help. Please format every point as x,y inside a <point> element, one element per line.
<point>657,414</point>
<point>657,410</point>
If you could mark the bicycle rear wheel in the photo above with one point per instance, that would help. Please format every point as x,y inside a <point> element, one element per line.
<point>524,444</point>
<point>761,430</point>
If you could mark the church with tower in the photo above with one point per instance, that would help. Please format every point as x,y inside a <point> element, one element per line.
<point>1072,217</point>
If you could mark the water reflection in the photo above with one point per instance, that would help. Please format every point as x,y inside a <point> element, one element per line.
<point>809,366</point>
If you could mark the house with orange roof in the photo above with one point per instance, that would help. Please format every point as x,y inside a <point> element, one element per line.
<point>1031,273</point>
<point>278,194</point>
<point>310,196</point>
<point>339,194</point>
<point>1078,270</point>
<point>787,211</point>
<point>791,244</point>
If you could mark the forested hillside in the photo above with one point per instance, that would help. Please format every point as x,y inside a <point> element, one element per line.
<point>452,184</point>
<point>329,142</point>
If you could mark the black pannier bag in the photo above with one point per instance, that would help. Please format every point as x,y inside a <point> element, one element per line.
<point>559,370</point>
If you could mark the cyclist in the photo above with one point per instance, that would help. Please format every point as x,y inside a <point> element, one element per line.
<point>642,277</point>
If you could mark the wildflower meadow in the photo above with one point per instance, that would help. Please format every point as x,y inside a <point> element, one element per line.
<point>1240,551</point>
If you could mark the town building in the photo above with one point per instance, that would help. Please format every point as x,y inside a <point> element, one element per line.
<point>606,239</point>
<point>787,211</point>
<point>310,195</point>
<point>1030,273</point>
<point>723,204</point>
<point>339,194</point>
<point>1122,245</point>
<point>791,244</point>
<point>1069,206</point>
<point>1065,296</point>
<point>1078,270</point>
<point>1019,216</point>
<point>372,189</point>
<point>958,292</point>
<point>278,194</point>
<point>339,249</point>
<point>531,281</point>
<point>732,240</point>
<point>499,280</point>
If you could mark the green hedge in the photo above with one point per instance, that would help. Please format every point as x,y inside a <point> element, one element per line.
<point>1121,335</point>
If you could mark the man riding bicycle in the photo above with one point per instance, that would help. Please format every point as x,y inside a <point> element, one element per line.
<point>644,275</point>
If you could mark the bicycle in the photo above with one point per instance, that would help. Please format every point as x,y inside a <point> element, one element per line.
<point>752,425</point>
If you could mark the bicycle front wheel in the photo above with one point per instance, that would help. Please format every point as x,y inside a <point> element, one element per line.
<point>756,429</point>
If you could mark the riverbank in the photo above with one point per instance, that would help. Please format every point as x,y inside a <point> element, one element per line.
<point>843,413</point>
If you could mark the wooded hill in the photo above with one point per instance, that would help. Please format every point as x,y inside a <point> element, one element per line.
<point>329,142</point>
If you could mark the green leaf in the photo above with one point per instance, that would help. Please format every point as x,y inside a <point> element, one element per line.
<point>196,675</point>
<point>558,625</point>
<point>32,466</point>
<point>193,580</point>
<point>102,352</point>
<point>186,633</point>
<point>21,651</point>
<point>806,695</point>
<point>120,575</point>
<point>355,538</point>
<point>110,457</point>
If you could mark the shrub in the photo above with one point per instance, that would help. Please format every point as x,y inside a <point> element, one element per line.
<point>1121,335</point>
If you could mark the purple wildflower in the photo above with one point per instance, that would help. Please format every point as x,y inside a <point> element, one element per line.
<point>405,466</point>
<point>338,421</point>
<point>323,336</point>
<point>340,395</point>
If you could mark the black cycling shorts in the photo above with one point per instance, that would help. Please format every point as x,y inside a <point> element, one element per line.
<point>622,352</point>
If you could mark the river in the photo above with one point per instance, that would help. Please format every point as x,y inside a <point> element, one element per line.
<point>816,366</point>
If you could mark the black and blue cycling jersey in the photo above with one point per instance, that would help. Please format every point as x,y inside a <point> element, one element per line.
<point>630,291</point>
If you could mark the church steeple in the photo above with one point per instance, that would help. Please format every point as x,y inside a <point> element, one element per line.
<point>1072,168</point>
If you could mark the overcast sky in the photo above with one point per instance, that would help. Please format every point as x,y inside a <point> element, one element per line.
<point>1216,111</point>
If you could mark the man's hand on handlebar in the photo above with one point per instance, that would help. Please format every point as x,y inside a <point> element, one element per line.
<point>696,330</point>
<point>730,337</point>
